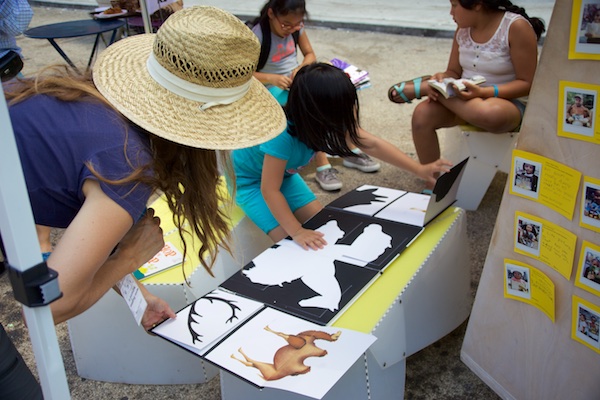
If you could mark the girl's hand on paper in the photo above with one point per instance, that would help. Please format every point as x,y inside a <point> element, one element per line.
<point>308,238</point>
<point>430,171</point>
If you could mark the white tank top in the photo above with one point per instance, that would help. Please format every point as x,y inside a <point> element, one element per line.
<point>490,59</point>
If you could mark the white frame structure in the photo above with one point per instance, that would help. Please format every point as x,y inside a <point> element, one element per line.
<point>23,251</point>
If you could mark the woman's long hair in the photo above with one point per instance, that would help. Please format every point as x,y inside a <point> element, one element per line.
<point>187,176</point>
<point>322,108</point>
<point>507,5</point>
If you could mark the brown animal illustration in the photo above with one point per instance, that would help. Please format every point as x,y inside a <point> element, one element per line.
<point>289,359</point>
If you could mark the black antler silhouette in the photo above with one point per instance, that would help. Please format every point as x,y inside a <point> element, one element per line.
<point>191,316</point>
<point>195,335</point>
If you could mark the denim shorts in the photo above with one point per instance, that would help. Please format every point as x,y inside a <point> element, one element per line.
<point>520,105</point>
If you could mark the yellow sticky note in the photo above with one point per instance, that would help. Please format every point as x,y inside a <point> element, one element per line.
<point>546,181</point>
<point>529,285</point>
<point>545,241</point>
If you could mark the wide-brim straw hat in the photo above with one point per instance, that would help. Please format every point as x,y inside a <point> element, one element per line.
<point>206,57</point>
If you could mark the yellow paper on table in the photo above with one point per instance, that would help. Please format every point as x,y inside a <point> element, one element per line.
<point>590,204</point>
<point>364,314</point>
<point>529,285</point>
<point>545,241</point>
<point>546,181</point>
<point>588,270</point>
<point>585,319</point>
<point>577,111</point>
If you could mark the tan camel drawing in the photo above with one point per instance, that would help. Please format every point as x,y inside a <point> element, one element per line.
<point>289,359</point>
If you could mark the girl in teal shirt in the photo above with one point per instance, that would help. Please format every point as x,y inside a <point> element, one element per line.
<point>323,115</point>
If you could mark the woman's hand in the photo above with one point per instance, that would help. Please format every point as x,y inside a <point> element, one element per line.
<point>431,171</point>
<point>143,240</point>
<point>158,310</point>
<point>308,238</point>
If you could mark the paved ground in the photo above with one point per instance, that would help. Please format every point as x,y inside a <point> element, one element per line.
<point>436,372</point>
<point>430,17</point>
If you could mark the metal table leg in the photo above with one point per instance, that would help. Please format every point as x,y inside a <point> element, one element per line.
<point>62,53</point>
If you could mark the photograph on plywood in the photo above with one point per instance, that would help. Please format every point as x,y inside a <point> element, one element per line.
<point>577,111</point>
<point>527,176</point>
<point>584,42</point>
<point>588,270</point>
<point>528,235</point>
<point>590,204</point>
<point>517,281</point>
<point>586,317</point>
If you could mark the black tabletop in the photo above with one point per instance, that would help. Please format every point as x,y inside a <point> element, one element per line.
<point>73,28</point>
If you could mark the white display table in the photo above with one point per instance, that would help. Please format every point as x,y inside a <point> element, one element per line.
<point>421,297</point>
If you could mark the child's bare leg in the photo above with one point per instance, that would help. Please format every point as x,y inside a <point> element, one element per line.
<point>321,159</point>
<point>43,233</point>
<point>302,214</point>
<point>427,118</point>
<point>305,213</point>
<point>493,115</point>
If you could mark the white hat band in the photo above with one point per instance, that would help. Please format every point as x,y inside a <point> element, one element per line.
<point>191,91</point>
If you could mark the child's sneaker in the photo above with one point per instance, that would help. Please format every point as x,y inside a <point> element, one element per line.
<point>362,162</point>
<point>328,179</point>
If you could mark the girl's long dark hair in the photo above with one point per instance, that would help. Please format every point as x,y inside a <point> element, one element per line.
<point>322,108</point>
<point>281,7</point>
<point>507,5</point>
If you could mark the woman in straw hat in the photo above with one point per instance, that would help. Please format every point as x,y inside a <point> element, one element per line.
<point>269,189</point>
<point>151,120</point>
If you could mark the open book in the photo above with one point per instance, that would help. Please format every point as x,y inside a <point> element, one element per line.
<point>447,85</point>
<point>359,77</point>
<point>169,256</point>
<point>245,338</point>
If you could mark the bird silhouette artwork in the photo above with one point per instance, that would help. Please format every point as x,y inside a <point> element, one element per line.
<point>316,269</point>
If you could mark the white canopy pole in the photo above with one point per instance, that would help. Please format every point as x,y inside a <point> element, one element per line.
<point>23,253</point>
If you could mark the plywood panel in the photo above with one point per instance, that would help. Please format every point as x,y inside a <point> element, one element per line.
<point>511,345</point>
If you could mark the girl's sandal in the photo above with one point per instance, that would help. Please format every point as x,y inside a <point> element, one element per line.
<point>401,97</point>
